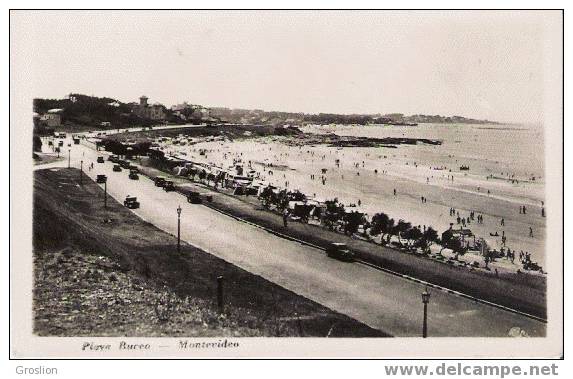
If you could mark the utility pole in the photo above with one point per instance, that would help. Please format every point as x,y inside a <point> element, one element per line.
<point>179,229</point>
<point>69,157</point>
<point>81,173</point>
<point>220,305</point>
<point>105,194</point>
<point>425,300</point>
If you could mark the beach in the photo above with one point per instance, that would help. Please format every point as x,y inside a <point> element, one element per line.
<point>497,156</point>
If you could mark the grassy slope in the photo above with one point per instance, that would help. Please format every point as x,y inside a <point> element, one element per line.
<point>101,272</point>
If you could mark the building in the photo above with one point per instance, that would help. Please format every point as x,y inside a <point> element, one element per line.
<point>153,112</point>
<point>52,118</point>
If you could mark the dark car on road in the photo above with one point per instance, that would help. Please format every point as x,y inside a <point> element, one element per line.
<point>124,164</point>
<point>101,179</point>
<point>169,186</point>
<point>340,251</point>
<point>193,197</point>
<point>100,160</point>
<point>131,202</point>
<point>133,175</point>
<point>113,158</point>
<point>159,181</point>
<point>116,168</point>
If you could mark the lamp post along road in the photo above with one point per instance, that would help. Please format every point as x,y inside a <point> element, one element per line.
<point>425,300</point>
<point>81,173</point>
<point>179,229</point>
<point>105,194</point>
<point>69,157</point>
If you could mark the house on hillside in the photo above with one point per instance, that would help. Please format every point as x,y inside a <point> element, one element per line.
<point>144,110</point>
<point>52,117</point>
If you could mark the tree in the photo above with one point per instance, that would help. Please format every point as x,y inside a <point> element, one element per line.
<point>266,196</point>
<point>37,144</point>
<point>334,212</point>
<point>456,245</point>
<point>382,224</point>
<point>401,227</point>
<point>412,235</point>
<point>428,238</point>
<point>352,221</point>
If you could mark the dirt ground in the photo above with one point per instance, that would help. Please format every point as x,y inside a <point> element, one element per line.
<point>106,272</point>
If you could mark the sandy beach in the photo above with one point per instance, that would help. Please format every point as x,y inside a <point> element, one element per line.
<point>499,181</point>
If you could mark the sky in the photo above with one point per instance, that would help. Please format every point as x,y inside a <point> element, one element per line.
<point>487,65</point>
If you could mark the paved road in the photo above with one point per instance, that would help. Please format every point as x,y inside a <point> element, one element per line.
<point>378,299</point>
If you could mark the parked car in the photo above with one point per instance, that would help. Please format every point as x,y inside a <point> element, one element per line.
<point>100,160</point>
<point>124,164</point>
<point>340,251</point>
<point>133,175</point>
<point>133,168</point>
<point>101,179</point>
<point>159,181</point>
<point>113,158</point>
<point>169,186</point>
<point>193,197</point>
<point>116,168</point>
<point>131,202</point>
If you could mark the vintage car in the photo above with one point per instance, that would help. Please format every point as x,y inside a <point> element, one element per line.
<point>131,202</point>
<point>100,160</point>
<point>124,164</point>
<point>101,179</point>
<point>169,186</point>
<point>159,181</point>
<point>340,251</point>
<point>116,168</point>
<point>133,175</point>
<point>193,197</point>
<point>113,158</point>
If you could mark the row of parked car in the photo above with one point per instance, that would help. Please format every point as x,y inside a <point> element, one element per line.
<point>193,197</point>
<point>120,164</point>
<point>334,250</point>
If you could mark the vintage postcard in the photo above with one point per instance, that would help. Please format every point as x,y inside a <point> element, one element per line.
<point>328,184</point>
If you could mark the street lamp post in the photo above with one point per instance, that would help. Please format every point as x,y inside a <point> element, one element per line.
<point>425,300</point>
<point>69,157</point>
<point>105,194</point>
<point>179,229</point>
<point>81,173</point>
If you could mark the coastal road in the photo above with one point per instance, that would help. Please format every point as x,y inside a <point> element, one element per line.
<point>380,300</point>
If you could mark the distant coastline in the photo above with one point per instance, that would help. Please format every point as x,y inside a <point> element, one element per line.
<point>79,112</point>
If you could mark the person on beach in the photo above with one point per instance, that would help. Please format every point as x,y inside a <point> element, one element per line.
<point>542,212</point>
<point>530,231</point>
<point>394,191</point>
<point>502,222</point>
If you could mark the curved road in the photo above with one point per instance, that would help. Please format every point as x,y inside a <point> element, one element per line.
<point>380,300</point>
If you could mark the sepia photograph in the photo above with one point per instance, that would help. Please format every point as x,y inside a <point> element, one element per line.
<point>324,183</point>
